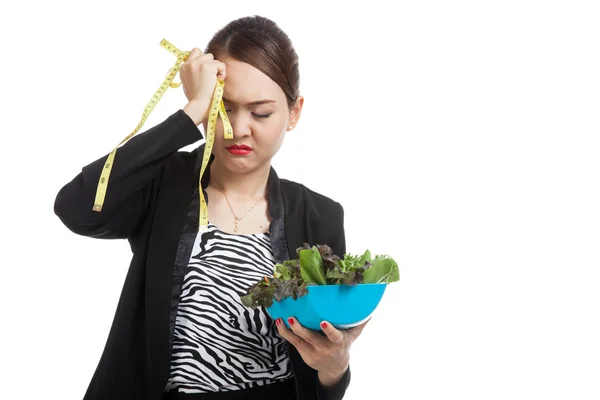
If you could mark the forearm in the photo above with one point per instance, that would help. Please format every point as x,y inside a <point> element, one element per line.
<point>197,111</point>
<point>136,163</point>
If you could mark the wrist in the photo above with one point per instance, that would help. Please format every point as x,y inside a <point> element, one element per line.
<point>331,378</point>
<point>196,110</point>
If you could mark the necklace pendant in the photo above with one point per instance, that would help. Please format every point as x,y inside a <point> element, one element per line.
<point>236,225</point>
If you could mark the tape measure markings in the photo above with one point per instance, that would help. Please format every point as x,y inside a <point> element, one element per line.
<point>217,109</point>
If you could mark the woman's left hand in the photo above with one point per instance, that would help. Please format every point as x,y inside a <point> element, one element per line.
<point>330,354</point>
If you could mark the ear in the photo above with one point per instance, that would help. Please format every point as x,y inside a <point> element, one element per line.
<point>295,113</point>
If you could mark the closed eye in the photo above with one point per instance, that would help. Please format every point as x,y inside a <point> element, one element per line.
<point>254,114</point>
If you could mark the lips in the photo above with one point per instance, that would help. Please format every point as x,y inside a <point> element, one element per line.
<point>239,149</point>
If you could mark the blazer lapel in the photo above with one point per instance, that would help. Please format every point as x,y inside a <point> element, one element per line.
<point>277,228</point>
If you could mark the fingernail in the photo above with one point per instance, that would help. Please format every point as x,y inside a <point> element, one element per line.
<point>291,321</point>
<point>278,321</point>
<point>324,325</point>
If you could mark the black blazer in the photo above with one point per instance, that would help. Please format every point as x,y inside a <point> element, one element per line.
<point>152,201</point>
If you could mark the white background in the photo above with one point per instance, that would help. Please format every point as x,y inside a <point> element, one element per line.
<point>461,137</point>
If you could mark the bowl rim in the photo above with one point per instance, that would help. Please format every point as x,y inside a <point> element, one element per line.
<point>343,284</point>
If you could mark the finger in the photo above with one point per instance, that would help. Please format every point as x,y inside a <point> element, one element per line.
<point>220,66</point>
<point>290,336</point>
<point>196,56</point>
<point>195,53</point>
<point>201,59</point>
<point>308,335</point>
<point>333,334</point>
<point>207,57</point>
<point>221,70</point>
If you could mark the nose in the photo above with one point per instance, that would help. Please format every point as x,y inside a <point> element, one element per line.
<point>240,125</point>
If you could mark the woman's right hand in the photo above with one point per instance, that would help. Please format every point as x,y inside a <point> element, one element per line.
<point>199,77</point>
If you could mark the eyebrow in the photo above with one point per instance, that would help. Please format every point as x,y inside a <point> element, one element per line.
<point>252,103</point>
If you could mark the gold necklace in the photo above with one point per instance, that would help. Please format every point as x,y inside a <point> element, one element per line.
<point>236,218</point>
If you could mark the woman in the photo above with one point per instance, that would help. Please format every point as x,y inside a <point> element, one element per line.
<point>180,330</point>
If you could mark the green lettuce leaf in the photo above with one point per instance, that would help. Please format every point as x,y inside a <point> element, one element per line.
<point>366,258</point>
<point>383,270</point>
<point>311,266</point>
<point>288,270</point>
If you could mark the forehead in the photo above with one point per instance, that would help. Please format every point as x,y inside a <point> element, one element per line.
<point>245,83</point>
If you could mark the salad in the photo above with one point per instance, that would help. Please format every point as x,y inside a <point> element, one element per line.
<point>317,265</point>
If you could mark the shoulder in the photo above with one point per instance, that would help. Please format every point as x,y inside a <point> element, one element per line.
<point>318,218</point>
<point>313,202</point>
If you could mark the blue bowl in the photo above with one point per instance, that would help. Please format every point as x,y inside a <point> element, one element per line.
<point>343,306</point>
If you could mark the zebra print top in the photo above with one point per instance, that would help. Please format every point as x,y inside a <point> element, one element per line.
<point>218,344</point>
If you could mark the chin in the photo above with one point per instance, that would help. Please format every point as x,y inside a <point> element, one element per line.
<point>239,165</point>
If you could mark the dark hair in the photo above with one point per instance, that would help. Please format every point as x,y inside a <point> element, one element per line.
<point>260,42</point>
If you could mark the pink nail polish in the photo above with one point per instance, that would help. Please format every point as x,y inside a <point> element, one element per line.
<point>278,322</point>
<point>324,325</point>
<point>291,321</point>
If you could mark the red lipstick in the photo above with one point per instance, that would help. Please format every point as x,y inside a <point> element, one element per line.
<point>239,149</point>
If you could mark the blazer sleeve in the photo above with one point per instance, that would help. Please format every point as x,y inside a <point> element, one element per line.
<point>136,166</point>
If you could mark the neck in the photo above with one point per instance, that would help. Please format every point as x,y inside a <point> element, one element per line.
<point>252,185</point>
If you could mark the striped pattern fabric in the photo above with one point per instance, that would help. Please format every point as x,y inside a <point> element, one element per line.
<point>220,345</point>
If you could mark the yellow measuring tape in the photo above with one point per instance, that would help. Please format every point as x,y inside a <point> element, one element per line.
<point>217,109</point>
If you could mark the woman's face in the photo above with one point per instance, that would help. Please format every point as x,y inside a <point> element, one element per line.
<point>259,115</point>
